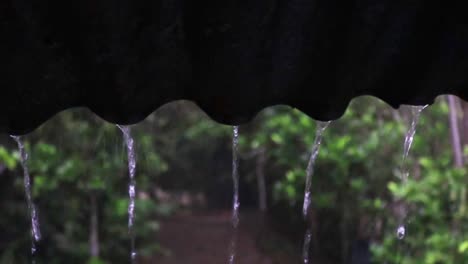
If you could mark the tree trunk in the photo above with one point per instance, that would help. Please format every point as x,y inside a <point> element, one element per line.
<point>455,132</point>
<point>465,122</point>
<point>260,171</point>
<point>94,228</point>
<point>344,235</point>
<point>457,146</point>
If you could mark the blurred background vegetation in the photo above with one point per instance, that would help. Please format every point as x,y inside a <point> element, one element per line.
<point>79,176</point>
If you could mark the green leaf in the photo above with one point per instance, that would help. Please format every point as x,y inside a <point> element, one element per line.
<point>463,247</point>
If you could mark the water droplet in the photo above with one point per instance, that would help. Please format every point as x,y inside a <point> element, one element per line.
<point>401,232</point>
<point>321,127</point>
<point>404,171</point>
<point>235,202</point>
<point>306,246</point>
<point>35,230</point>
<point>131,158</point>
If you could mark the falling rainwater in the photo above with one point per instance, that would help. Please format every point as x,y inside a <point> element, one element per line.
<point>305,249</point>
<point>35,230</point>
<point>235,200</point>
<point>321,126</point>
<point>126,130</point>
<point>409,137</point>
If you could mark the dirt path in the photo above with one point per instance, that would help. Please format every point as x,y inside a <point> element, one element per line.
<point>205,238</point>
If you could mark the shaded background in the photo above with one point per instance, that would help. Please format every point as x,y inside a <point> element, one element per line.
<point>79,175</point>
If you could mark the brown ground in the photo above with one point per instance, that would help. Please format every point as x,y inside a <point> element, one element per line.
<point>204,239</point>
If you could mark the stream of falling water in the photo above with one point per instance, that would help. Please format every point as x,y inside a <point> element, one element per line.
<point>409,137</point>
<point>321,127</point>
<point>35,230</point>
<point>126,131</point>
<point>235,200</point>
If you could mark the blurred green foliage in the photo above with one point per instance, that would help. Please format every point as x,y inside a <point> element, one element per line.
<point>76,159</point>
<point>357,192</point>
